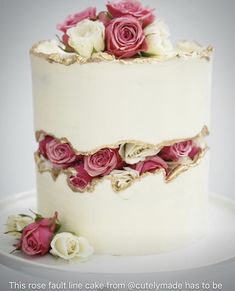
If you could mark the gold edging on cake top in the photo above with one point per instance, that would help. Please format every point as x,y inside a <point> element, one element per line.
<point>44,166</point>
<point>72,58</point>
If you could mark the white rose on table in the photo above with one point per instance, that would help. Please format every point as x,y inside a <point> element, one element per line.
<point>121,179</point>
<point>16,223</point>
<point>132,153</point>
<point>87,37</point>
<point>68,246</point>
<point>157,38</point>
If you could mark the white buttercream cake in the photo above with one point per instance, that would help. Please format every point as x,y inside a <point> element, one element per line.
<point>121,132</point>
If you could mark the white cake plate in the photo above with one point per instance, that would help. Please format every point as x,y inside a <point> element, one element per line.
<point>217,247</point>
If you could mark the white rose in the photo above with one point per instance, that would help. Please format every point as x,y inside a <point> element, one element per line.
<point>133,153</point>
<point>16,223</point>
<point>87,37</point>
<point>68,246</point>
<point>121,179</point>
<point>157,38</point>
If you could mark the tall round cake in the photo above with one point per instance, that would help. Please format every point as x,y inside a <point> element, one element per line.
<point>121,118</point>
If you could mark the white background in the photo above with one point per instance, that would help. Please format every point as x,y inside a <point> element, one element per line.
<point>24,22</point>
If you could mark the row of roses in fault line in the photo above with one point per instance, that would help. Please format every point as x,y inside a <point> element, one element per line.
<point>141,158</point>
<point>39,236</point>
<point>126,29</point>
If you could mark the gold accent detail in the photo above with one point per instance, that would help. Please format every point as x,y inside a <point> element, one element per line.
<point>72,58</point>
<point>43,164</point>
<point>184,167</point>
<point>204,53</point>
<point>41,133</point>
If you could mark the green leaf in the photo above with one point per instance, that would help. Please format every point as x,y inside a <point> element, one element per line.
<point>25,215</point>
<point>58,226</point>
<point>146,55</point>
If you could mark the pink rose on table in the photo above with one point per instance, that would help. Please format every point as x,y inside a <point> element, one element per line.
<point>72,20</point>
<point>176,151</point>
<point>151,164</point>
<point>81,180</point>
<point>125,37</point>
<point>37,236</point>
<point>59,154</point>
<point>133,8</point>
<point>102,162</point>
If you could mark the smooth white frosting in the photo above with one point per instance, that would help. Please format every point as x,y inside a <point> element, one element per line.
<point>96,104</point>
<point>152,217</point>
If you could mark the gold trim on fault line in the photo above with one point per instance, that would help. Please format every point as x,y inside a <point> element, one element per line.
<point>44,166</point>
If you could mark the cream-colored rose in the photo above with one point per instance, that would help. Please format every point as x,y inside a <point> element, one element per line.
<point>157,38</point>
<point>68,246</point>
<point>121,179</point>
<point>133,153</point>
<point>87,37</point>
<point>16,223</point>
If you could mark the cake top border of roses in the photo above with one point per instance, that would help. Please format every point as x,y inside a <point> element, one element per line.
<point>126,32</point>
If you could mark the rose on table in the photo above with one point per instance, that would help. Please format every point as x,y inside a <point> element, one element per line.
<point>40,236</point>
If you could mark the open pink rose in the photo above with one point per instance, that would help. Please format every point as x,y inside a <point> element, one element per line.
<point>59,154</point>
<point>125,37</point>
<point>82,179</point>
<point>176,151</point>
<point>72,20</point>
<point>37,236</point>
<point>102,162</point>
<point>151,164</point>
<point>133,8</point>
<point>43,143</point>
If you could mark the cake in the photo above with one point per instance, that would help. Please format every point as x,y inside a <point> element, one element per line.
<point>121,117</point>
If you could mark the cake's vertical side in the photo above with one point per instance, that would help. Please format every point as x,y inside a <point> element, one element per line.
<point>32,62</point>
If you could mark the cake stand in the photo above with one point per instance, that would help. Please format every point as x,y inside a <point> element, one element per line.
<point>217,247</point>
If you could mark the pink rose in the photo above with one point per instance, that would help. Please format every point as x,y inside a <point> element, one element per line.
<point>102,162</point>
<point>125,37</point>
<point>151,164</point>
<point>104,17</point>
<point>59,154</point>
<point>133,8</point>
<point>82,178</point>
<point>176,151</point>
<point>72,20</point>
<point>195,150</point>
<point>43,143</point>
<point>37,236</point>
